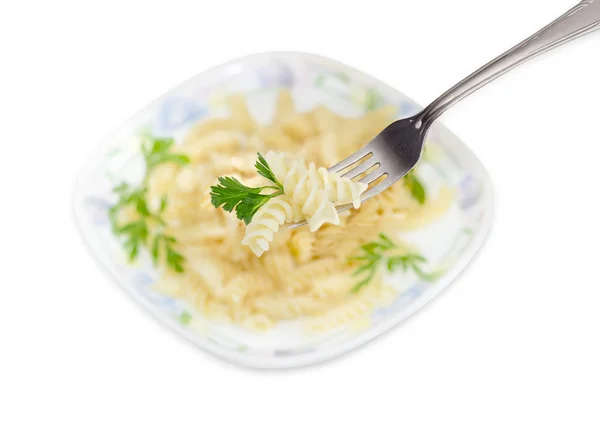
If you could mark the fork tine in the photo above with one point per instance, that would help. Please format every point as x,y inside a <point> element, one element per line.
<point>355,157</point>
<point>371,177</point>
<point>361,168</point>
<point>377,189</point>
<point>297,224</point>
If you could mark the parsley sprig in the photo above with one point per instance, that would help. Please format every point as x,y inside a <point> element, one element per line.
<point>157,151</point>
<point>232,194</point>
<point>373,257</point>
<point>147,229</point>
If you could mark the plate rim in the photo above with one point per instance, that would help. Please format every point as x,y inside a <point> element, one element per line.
<point>321,355</point>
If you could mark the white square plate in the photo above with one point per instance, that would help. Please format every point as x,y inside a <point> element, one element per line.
<point>449,244</point>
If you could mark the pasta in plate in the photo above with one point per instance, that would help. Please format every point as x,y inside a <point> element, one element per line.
<point>305,273</point>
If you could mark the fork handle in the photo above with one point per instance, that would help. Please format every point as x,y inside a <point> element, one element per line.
<point>580,20</point>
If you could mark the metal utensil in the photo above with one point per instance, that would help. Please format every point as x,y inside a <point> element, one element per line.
<point>397,149</point>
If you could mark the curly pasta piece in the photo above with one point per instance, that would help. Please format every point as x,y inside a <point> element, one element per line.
<point>266,222</point>
<point>340,190</point>
<point>313,200</point>
<point>319,210</point>
<point>299,181</point>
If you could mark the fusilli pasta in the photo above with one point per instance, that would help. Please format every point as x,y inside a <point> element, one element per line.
<point>304,274</point>
<point>266,222</point>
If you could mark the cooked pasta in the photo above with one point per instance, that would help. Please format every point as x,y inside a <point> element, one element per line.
<point>307,272</point>
<point>299,181</point>
<point>266,223</point>
<point>308,193</point>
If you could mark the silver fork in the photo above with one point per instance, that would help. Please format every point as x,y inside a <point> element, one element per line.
<point>397,149</point>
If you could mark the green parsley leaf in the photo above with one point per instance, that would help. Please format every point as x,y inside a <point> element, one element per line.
<point>263,168</point>
<point>132,246</point>
<point>394,263</point>
<point>319,80</point>
<point>386,242</point>
<point>136,234</point>
<point>142,208</point>
<point>372,99</point>
<point>156,249</point>
<point>160,145</point>
<point>342,77</point>
<point>185,317</point>
<point>174,259</point>
<point>249,206</point>
<point>156,151</point>
<point>121,188</point>
<point>231,194</point>
<point>417,190</point>
<point>365,281</point>
<point>175,159</point>
<point>371,248</point>
<point>373,257</point>
<point>163,204</point>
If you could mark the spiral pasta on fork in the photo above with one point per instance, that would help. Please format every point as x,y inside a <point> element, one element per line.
<point>298,180</point>
<point>307,193</point>
<point>266,222</point>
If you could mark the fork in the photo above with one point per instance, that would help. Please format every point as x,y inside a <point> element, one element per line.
<point>396,150</point>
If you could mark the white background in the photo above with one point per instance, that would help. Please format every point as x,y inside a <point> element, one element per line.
<point>513,343</point>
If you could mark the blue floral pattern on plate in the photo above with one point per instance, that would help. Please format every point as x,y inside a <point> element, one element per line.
<point>276,74</point>
<point>175,113</point>
<point>351,91</point>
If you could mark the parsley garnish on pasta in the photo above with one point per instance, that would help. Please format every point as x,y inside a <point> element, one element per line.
<point>136,230</point>
<point>376,254</point>
<point>276,273</point>
<point>263,168</point>
<point>232,195</point>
